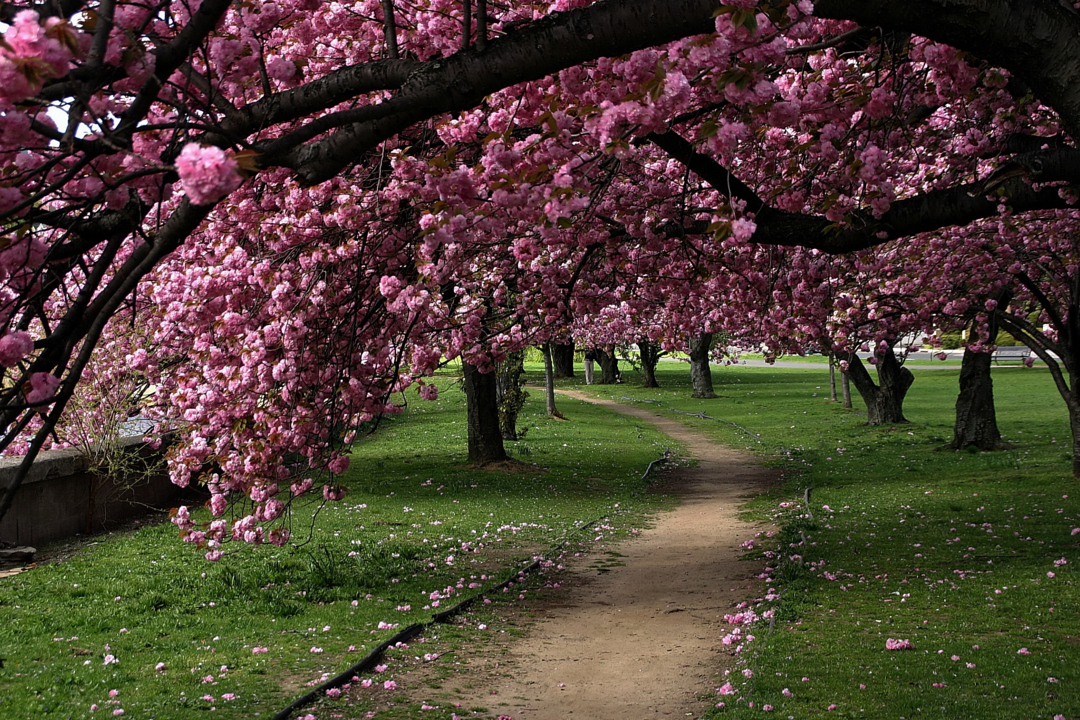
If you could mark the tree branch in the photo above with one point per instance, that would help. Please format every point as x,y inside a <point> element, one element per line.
<point>1036,40</point>
<point>327,91</point>
<point>604,29</point>
<point>933,210</point>
<point>712,172</point>
<point>389,29</point>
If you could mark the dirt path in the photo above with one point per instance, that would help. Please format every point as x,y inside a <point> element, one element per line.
<point>642,640</point>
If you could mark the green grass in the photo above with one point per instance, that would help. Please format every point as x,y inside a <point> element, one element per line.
<point>948,550</point>
<point>883,561</point>
<point>824,360</point>
<point>145,598</point>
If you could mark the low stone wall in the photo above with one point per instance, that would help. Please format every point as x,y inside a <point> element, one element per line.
<point>59,498</point>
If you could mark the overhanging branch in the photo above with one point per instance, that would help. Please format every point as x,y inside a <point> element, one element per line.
<point>926,212</point>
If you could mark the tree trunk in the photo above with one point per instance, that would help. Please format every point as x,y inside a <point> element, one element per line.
<point>1074,426</point>
<point>609,366</point>
<point>650,355</point>
<point>832,378</point>
<point>976,421</point>
<point>700,370</point>
<point>485,435</point>
<point>509,388</point>
<point>884,401</point>
<point>549,382</point>
<point>562,356</point>
<point>845,387</point>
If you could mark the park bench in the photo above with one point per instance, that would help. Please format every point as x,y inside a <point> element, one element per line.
<point>1019,353</point>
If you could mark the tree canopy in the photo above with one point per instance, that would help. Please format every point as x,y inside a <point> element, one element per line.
<point>281,214</point>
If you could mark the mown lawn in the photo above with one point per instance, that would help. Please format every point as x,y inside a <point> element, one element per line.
<point>140,622</point>
<point>952,552</point>
<point>969,556</point>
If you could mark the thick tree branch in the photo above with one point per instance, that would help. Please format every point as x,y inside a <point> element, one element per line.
<point>926,212</point>
<point>712,172</point>
<point>327,91</point>
<point>607,28</point>
<point>1036,40</point>
<point>1027,333</point>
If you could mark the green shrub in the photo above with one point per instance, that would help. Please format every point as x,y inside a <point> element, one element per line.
<point>952,341</point>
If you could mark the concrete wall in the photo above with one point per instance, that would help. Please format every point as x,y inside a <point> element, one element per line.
<point>54,500</point>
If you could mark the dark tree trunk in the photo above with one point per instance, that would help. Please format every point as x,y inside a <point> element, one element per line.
<point>549,382</point>
<point>884,401</point>
<point>562,357</point>
<point>832,378</point>
<point>609,366</point>
<point>700,370</point>
<point>845,387</point>
<point>509,388</point>
<point>1074,426</point>
<point>650,355</point>
<point>485,435</point>
<point>976,421</point>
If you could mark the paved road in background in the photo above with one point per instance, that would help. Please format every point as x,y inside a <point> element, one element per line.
<point>803,365</point>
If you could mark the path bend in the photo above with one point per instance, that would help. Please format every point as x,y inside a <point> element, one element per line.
<point>640,641</point>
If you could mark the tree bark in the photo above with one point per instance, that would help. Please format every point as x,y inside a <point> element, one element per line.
<point>562,358</point>
<point>845,387</point>
<point>832,378</point>
<point>1074,427</point>
<point>1032,38</point>
<point>976,421</point>
<point>549,382</point>
<point>509,379</point>
<point>485,435</point>
<point>650,356</point>
<point>609,366</point>
<point>935,209</point>
<point>700,369</point>
<point>884,401</point>
<point>462,81</point>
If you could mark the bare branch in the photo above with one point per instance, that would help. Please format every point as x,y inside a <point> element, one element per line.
<point>466,24</point>
<point>390,29</point>
<point>481,25</point>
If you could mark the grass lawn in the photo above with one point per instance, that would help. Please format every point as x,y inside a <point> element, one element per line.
<point>824,360</point>
<point>969,556</point>
<point>952,552</point>
<point>416,520</point>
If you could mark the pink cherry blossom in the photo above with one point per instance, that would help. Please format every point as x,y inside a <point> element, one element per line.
<point>42,387</point>
<point>207,174</point>
<point>14,347</point>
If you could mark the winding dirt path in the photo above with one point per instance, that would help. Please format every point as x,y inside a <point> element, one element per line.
<point>642,640</point>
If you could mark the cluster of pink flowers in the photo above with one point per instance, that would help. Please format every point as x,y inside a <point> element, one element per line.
<point>207,174</point>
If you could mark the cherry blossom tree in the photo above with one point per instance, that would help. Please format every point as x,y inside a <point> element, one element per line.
<point>313,204</point>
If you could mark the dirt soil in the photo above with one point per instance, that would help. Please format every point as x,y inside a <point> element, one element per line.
<point>641,640</point>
